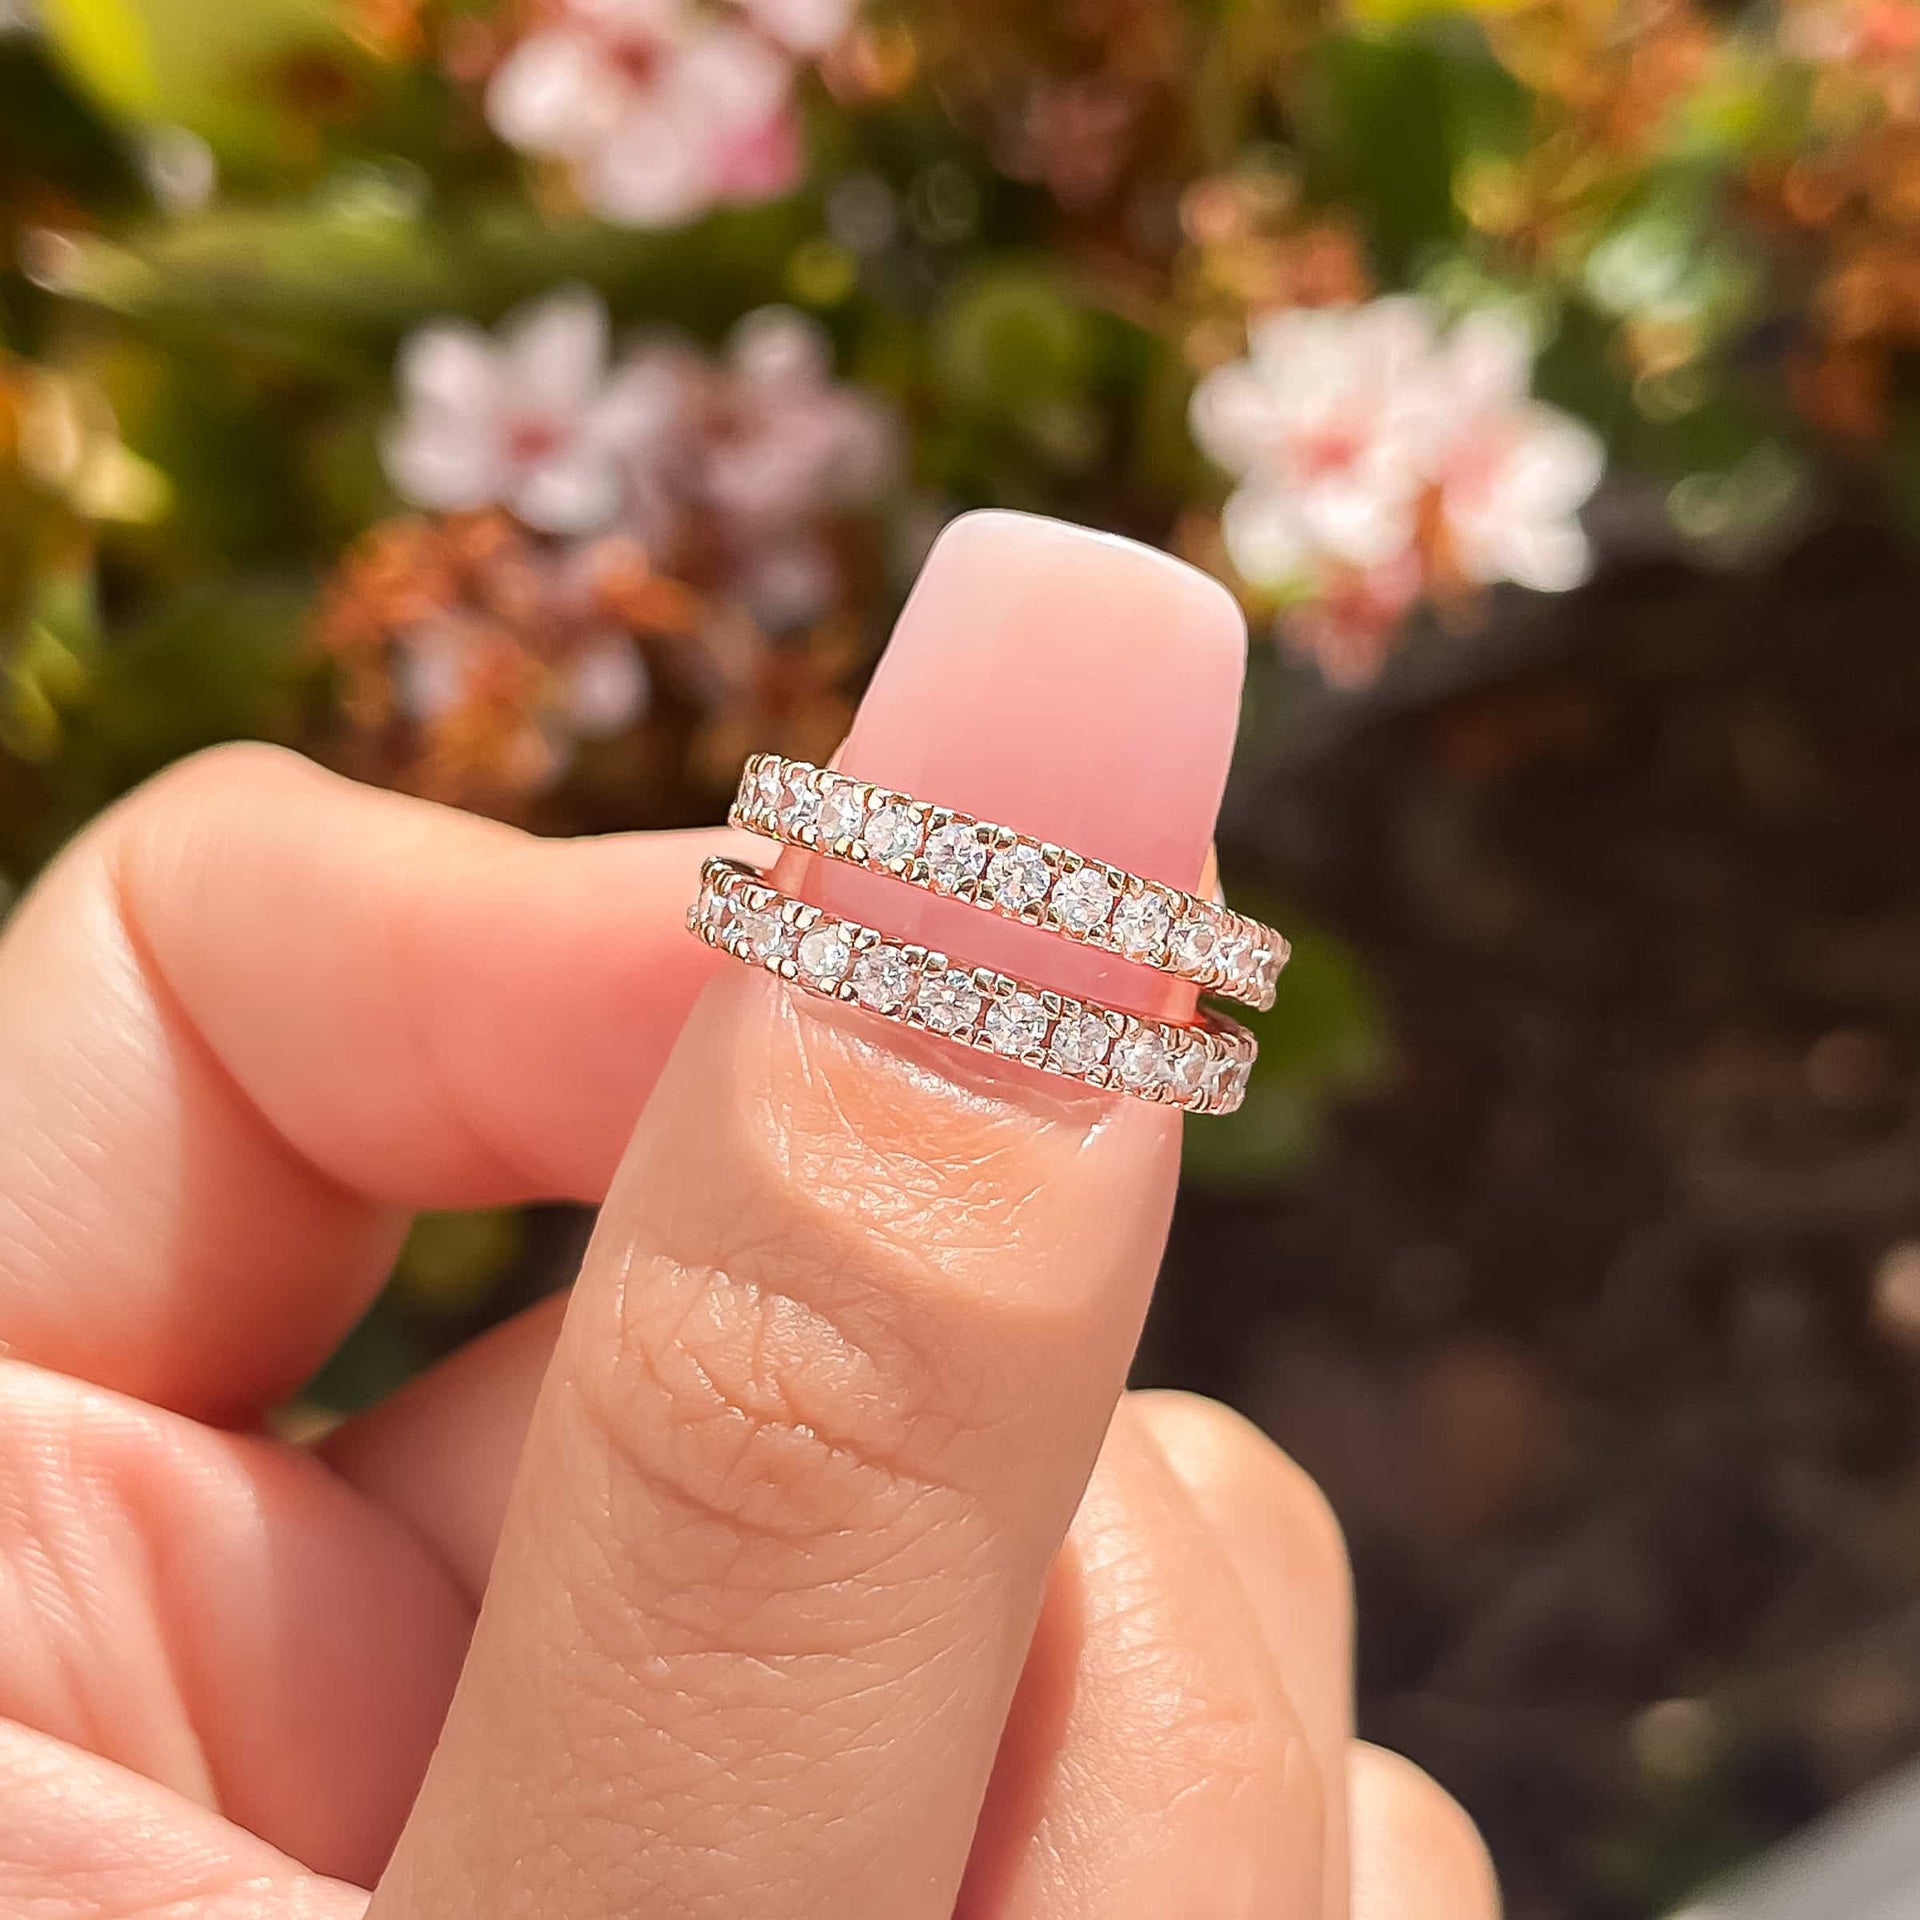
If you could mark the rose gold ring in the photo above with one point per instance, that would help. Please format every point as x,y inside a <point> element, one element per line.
<point>1202,1068</point>
<point>1010,874</point>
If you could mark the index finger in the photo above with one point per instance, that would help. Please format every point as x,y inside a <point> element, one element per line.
<point>256,1012</point>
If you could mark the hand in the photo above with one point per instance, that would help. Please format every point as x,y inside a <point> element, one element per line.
<point>718,1594</point>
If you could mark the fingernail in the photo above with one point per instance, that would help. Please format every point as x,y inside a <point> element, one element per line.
<point>1067,684</point>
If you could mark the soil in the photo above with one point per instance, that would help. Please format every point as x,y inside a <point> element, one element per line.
<point>1600,1322</point>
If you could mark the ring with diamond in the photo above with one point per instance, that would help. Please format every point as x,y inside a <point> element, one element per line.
<point>1202,1068</point>
<point>1010,874</point>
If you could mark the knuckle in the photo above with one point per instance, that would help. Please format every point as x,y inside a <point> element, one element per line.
<point>753,1440</point>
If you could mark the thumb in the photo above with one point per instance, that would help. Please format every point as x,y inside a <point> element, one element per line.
<point>849,1333</point>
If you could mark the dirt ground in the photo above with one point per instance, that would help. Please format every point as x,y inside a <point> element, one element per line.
<point>1601,1322</point>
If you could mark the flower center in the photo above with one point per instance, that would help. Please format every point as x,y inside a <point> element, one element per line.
<point>533,438</point>
<point>1329,449</point>
<point>635,58</point>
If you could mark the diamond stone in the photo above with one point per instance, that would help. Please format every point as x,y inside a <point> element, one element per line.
<point>1192,945</point>
<point>882,979</point>
<point>842,811</point>
<point>1234,954</point>
<point>1141,1060</point>
<point>1017,1024</point>
<point>1080,1041</point>
<point>716,916</point>
<point>799,805</point>
<point>766,786</point>
<point>1140,924</point>
<point>1018,877</point>
<point>825,951</point>
<point>1082,899</point>
<point>956,856</point>
<point>948,1001</point>
<point>1190,1070</point>
<point>892,833</point>
<point>763,933</point>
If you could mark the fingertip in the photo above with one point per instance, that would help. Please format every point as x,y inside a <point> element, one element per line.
<point>1415,1849</point>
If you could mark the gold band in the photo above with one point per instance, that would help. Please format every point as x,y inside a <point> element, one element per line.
<point>1202,1068</point>
<point>1012,875</point>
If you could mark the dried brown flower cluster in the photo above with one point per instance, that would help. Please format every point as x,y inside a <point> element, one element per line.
<point>479,662</point>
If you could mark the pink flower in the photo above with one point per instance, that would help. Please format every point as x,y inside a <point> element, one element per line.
<point>531,421</point>
<point>1377,458</point>
<point>783,447</point>
<point>1512,473</point>
<point>1327,420</point>
<point>1348,625</point>
<point>664,108</point>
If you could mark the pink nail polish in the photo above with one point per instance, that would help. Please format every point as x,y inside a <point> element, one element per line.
<point>1068,684</point>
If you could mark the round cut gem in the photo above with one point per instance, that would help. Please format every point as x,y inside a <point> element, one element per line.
<point>1017,1024</point>
<point>1234,953</point>
<point>799,805</point>
<point>1141,1060</point>
<point>1192,945</point>
<point>1140,925</point>
<point>1018,877</point>
<point>892,833</point>
<point>763,933</point>
<point>1189,1073</point>
<point>842,811</point>
<point>1080,1041</point>
<point>948,1001</point>
<point>882,979</point>
<point>766,786</point>
<point>824,953</point>
<point>956,856</point>
<point>1082,899</point>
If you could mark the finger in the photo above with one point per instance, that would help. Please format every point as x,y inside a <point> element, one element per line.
<point>255,1011</point>
<point>1416,1855</point>
<point>842,1352</point>
<point>216,1612</point>
<point>83,1839</point>
<point>1283,1542</point>
<point>1152,1767</point>
<point>440,1454</point>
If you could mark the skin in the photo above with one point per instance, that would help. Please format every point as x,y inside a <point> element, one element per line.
<point>809,1561</point>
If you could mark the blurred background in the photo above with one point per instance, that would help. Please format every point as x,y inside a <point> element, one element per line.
<point>539,406</point>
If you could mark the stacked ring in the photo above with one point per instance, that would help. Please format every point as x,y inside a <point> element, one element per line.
<point>1201,1067</point>
<point>1012,875</point>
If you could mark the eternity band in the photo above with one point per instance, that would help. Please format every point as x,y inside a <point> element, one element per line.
<point>1010,874</point>
<point>1202,1068</point>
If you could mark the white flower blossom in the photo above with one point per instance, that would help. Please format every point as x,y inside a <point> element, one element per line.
<point>1369,446</point>
<point>664,109</point>
<point>532,421</point>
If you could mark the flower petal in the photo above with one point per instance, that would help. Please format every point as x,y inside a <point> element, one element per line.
<point>1234,418</point>
<point>576,491</point>
<point>807,26</point>
<point>1488,359</point>
<point>605,687</point>
<point>449,364</point>
<point>652,173</point>
<point>777,348</point>
<point>1264,536</point>
<point>554,93</point>
<point>724,81</point>
<point>445,461</point>
<point>556,352</point>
